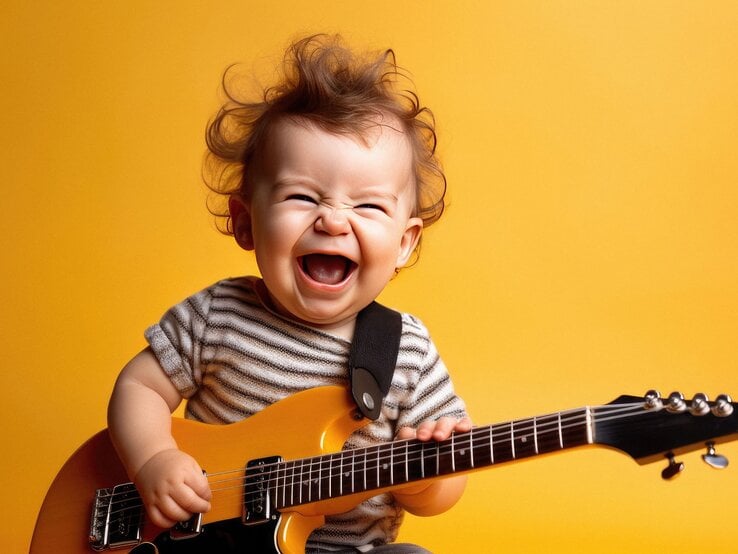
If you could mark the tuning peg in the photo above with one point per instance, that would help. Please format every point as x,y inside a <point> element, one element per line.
<point>699,405</point>
<point>675,403</point>
<point>673,469</point>
<point>713,459</point>
<point>723,406</point>
<point>653,400</point>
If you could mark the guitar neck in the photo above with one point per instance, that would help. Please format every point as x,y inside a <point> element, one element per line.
<point>394,464</point>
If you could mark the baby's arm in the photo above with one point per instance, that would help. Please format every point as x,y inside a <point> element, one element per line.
<point>169,481</point>
<point>427,499</point>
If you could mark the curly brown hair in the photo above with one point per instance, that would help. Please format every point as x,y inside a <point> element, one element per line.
<point>327,84</point>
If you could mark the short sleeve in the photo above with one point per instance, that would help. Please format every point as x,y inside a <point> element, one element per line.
<point>177,341</point>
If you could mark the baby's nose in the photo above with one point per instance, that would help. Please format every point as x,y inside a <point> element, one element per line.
<point>333,220</point>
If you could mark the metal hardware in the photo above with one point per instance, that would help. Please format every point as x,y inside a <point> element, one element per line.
<point>258,503</point>
<point>673,469</point>
<point>187,529</point>
<point>675,403</point>
<point>722,406</point>
<point>653,400</point>
<point>713,459</point>
<point>700,405</point>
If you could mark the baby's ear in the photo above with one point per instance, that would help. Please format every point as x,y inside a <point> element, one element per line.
<point>241,221</point>
<point>410,238</point>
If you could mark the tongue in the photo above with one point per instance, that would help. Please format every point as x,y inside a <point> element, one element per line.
<point>324,268</point>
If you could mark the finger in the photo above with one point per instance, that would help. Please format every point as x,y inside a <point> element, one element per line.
<point>425,430</point>
<point>159,519</point>
<point>406,433</point>
<point>194,494</point>
<point>464,424</point>
<point>189,501</point>
<point>444,427</point>
<point>198,482</point>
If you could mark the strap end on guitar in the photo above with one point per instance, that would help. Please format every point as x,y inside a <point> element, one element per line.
<point>373,357</point>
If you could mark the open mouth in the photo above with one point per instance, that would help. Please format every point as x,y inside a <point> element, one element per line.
<point>327,269</point>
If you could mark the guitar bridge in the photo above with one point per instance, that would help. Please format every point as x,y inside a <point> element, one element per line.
<point>116,518</point>
<point>258,505</point>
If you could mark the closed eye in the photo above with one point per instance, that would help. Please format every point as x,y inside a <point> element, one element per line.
<point>369,206</point>
<point>302,198</point>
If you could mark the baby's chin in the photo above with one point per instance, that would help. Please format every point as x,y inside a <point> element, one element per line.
<point>325,315</point>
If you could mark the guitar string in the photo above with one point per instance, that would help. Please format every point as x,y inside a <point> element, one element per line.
<point>239,472</point>
<point>484,431</point>
<point>308,465</point>
<point>385,454</point>
<point>379,454</point>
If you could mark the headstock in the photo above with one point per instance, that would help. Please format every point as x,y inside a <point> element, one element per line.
<point>652,427</point>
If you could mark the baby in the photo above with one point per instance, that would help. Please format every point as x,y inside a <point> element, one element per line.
<point>329,179</point>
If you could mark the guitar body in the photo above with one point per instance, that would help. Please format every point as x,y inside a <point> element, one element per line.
<point>310,423</point>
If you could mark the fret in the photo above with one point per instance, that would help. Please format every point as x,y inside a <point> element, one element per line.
<point>273,491</point>
<point>310,481</point>
<point>414,463</point>
<point>445,458</point>
<point>430,458</point>
<point>384,466</point>
<point>547,432</point>
<point>461,451</point>
<point>512,440</point>
<point>481,447</point>
<point>501,444</point>
<point>358,471</point>
<point>291,472</point>
<point>491,447</point>
<point>347,472</point>
<point>304,482</point>
<point>392,463</point>
<point>574,428</point>
<point>278,500</point>
<point>522,439</point>
<point>335,473</point>
<point>364,485</point>
<point>407,461</point>
<point>397,463</point>
<point>471,449</point>
<point>340,475</point>
<point>322,483</point>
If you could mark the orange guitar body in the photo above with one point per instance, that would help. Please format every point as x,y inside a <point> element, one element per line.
<point>311,423</point>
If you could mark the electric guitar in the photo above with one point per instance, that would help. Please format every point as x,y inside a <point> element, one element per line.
<point>275,475</point>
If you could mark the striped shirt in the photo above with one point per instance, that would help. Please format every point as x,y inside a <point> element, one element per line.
<point>230,356</point>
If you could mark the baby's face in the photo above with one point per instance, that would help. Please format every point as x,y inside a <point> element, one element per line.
<point>330,219</point>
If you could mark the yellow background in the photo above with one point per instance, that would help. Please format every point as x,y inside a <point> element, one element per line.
<point>590,249</point>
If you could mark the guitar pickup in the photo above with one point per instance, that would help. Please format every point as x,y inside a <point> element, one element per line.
<point>257,501</point>
<point>116,518</point>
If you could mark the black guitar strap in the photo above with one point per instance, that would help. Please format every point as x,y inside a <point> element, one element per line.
<point>373,357</point>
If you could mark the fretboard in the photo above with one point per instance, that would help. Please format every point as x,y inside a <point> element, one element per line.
<point>302,481</point>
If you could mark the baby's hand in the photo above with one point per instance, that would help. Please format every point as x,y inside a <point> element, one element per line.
<point>439,430</point>
<point>172,487</point>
